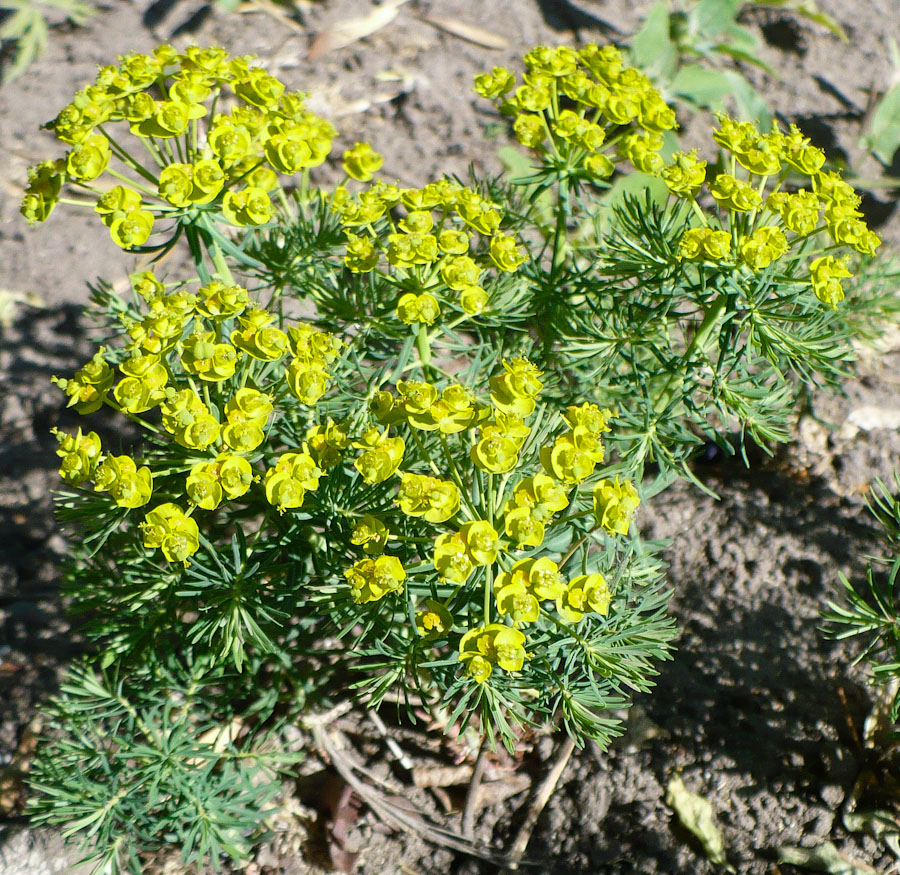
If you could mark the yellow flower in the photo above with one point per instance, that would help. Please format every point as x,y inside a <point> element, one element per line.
<point>189,420</point>
<point>416,309</point>
<point>313,346</point>
<point>587,593</point>
<point>327,443</point>
<point>733,194</point>
<point>495,453</point>
<point>685,174</point>
<point>599,166</point>
<point>762,247</point>
<point>566,461</point>
<point>79,453</point>
<point>203,487</point>
<point>131,229</point>
<point>482,541</point>
<point>799,155</point>
<point>292,477</point>
<point>258,338</point>
<point>800,212</point>
<point>506,253</point>
<point>516,602</point>
<point>249,405</point>
<point>234,473</point>
<point>451,558</point>
<point>478,213</point>
<point>435,621</point>
<point>230,143</point>
<point>258,88</point>
<point>208,360</point>
<point>642,150</point>
<point>129,485</point>
<point>461,272</point>
<point>495,643</point>
<point>473,300</point>
<point>218,301</point>
<point>761,154</point>
<point>89,158</point>
<point>525,529</point>
<point>42,192</point>
<point>494,84</point>
<point>372,579</point>
<point>250,206</point>
<point>453,412</point>
<point>515,390</point>
<point>825,275</point>
<point>361,254</point>
<point>169,528</point>
<point>529,130</point>
<point>371,534</point>
<point>453,242</point>
<point>89,386</point>
<point>541,495</point>
<point>381,455</point>
<point>423,496</point>
<point>705,244</point>
<point>362,162</point>
<point>417,222</point>
<point>307,381</point>
<point>176,184</point>
<point>615,504</point>
<point>209,179</point>
<point>541,577</point>
<point>406,250</point>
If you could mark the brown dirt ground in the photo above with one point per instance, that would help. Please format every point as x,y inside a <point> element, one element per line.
<point>758,712</point>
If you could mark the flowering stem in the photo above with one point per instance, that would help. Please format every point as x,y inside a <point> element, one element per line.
<point>423,345</point>
<point>709,323</point>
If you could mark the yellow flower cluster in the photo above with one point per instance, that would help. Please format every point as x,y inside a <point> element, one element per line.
<point>433,240</point>
<point>80,454</point>
<point>761,228</point>
<point>477,531</point>
<point>574,102</point>
<point>200,157</point>
<point>181,363</point>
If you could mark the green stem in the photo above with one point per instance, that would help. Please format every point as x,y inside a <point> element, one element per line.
<point>709,323</point>
<point>559,233</point>
<point>220,263</point>
<point>423,345</point>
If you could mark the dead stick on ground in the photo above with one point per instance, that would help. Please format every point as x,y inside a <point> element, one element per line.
<point>538,800</point>
<point>472,796</point>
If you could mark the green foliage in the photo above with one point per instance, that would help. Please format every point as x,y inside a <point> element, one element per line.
<point>871,611</point>
<point>403,459</point>
<point>688,47</point>
<point>150,764</point>
<point>24,30</point>
<point>882,138</point>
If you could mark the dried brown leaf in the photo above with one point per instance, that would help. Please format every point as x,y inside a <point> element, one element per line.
<point>469,32</point>
<point>345,33</point>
